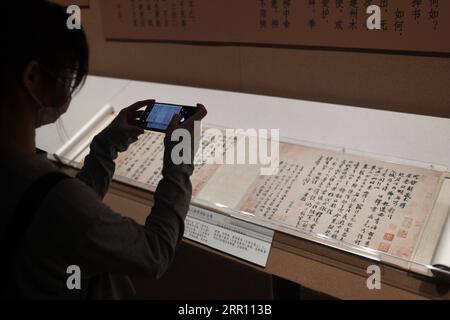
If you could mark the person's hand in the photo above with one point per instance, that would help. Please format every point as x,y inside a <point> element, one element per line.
<point>188,125</point>
<point>128,118</point>
<point>123,130</point>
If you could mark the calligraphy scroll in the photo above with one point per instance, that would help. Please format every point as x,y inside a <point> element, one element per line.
<point>404,25</point>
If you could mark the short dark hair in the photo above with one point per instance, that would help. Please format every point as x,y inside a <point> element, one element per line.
<point>37,30</point>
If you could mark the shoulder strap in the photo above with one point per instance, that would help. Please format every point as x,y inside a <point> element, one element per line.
<point>23,214</point>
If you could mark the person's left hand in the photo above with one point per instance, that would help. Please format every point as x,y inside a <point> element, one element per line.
<point>128,118</point>
<point>123,130</point>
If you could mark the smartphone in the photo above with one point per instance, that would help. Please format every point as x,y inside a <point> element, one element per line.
<point>157,116</point>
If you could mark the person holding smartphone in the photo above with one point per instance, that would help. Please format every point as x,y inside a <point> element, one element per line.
<point>49,221</point>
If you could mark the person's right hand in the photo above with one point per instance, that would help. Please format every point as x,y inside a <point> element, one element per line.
<point>188,125</point>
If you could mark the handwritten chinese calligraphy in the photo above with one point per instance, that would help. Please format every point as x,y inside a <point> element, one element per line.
<point>406,25</point>
<point>354,200</point>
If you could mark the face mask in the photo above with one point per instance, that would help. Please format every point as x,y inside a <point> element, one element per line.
<point>47,115</point>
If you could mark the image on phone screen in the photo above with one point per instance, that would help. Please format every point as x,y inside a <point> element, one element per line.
<point>160,115</point>
<point>157,116</point>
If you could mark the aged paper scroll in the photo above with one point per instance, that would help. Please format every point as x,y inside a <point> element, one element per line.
<point>352,199</point>
<point>356,200</point>
<point>143,161</point>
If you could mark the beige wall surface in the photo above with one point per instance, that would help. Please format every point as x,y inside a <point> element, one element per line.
<point>405,83</point>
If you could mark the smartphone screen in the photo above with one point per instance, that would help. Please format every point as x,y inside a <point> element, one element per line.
<point>158,115</point>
